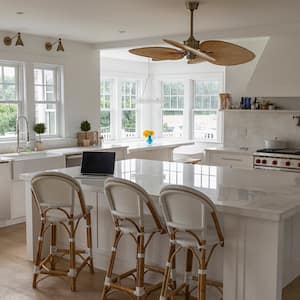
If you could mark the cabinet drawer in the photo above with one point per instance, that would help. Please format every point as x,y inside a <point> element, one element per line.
<point>231,160</point>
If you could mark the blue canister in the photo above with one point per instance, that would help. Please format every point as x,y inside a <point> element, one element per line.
<point>247,103</point>
<point>242,103</point>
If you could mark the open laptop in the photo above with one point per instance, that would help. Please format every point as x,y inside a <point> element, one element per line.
<point>98,163</point>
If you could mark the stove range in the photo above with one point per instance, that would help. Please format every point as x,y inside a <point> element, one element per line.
<point>277,159</point>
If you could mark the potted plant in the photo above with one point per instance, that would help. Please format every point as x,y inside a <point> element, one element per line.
<point>39,128</point>
<point>85,126</point>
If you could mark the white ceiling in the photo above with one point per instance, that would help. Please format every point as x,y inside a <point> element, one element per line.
<point>99,21</point>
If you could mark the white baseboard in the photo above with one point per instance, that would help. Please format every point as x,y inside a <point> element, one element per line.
<point>6,223</point>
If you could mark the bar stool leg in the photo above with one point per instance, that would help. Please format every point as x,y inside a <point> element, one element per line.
<point>164,288</point>
<point>173,271</point>
<point>38,255</point>
<point>111,264</point>
<point>53,245</point>
<point>188,272</point>
<point>89,242</point>
<point>72,270</point>
<point>202,276</point>
<point>139,290</point>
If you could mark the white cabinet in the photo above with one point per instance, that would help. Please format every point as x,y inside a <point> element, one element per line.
<point>229,159</point>
<point>5,187</point>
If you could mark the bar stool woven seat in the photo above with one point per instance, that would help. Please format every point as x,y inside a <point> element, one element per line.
<point>60,201</point>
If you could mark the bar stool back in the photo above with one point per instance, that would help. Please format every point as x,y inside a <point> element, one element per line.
<point>134,214</point>
<point>187,212</point>
<point>60,201</point>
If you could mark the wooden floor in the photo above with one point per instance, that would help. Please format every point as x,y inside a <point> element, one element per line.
<point>16,276</point>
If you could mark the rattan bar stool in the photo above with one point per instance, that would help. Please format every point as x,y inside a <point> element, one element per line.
<point>60,201</point>
<point>186,212</point>
<point>133,214</point>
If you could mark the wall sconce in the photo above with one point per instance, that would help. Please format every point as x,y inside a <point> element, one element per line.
<point>60,46</point>
<point>19,42</point>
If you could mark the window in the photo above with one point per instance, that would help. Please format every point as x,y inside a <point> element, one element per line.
<point>10,100</point>
<point>206,105</point>
<point>173,105</point>
<point>129,93</point>
<point>106,96</point>
<point>46,87</point>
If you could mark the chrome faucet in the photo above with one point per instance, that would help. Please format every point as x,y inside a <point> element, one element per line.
<point>18,131</point>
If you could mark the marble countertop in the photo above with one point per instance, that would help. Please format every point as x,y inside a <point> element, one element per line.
<point>254,193</point>
<point>129,146</point>
<point>78,150</point>
<point>157,144</point>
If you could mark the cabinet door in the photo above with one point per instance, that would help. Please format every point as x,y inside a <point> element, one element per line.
<point>5,186</point>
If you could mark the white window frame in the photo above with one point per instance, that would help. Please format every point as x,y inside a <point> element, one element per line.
<point>19,69</point>
<point>108,136</point>
<point>59,97</point>
<point>116,104</point>
<point>169,81</point>
<point>218,76</point>
<point>136,109</point>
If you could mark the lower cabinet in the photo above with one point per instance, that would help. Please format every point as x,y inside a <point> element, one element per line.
<point>229,159</point>
<point>5,187</point>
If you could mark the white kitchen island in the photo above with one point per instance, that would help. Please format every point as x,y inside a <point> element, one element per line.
<point>260,212</point>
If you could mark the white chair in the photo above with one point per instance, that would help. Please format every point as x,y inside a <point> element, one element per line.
<point>133,214</point>
<point>186,212</point>
<point>60,201</point>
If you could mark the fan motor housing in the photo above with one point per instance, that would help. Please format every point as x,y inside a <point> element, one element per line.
<point>193,43</point>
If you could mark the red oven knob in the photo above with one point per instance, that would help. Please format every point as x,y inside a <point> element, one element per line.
<point>258,161</point>
<point>287,163</point>
<point>274,162</point>
<point>299,165</point>
<point>264,161</point>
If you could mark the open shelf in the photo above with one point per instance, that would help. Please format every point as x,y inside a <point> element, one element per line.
<point>262,111</point>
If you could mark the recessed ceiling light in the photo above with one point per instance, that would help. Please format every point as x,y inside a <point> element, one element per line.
<point>122,31</point>
<point>20,12</point>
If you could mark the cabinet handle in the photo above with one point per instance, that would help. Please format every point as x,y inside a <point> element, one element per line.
<point>232,159</point>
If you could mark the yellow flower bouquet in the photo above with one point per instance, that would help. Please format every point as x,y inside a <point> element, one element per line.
<point>148,133</point>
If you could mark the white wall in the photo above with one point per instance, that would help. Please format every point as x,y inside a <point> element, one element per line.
<point>250,128</point>
<point>238,77</point>
<point>277,73</point>
<point>80,62</point>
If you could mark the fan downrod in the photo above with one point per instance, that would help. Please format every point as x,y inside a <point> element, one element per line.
<point>191,41</point>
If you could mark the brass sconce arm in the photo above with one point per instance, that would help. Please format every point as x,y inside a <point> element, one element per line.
<point>8,40</point>
<point>60,47</point>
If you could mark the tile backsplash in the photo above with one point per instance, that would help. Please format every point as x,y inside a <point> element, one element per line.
<point>251,128</point>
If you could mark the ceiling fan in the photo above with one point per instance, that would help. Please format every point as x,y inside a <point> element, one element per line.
<point>214,51</point>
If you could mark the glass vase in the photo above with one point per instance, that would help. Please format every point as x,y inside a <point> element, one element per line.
<point>149,140</point>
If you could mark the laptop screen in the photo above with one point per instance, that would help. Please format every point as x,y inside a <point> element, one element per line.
<point>98,163</point>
